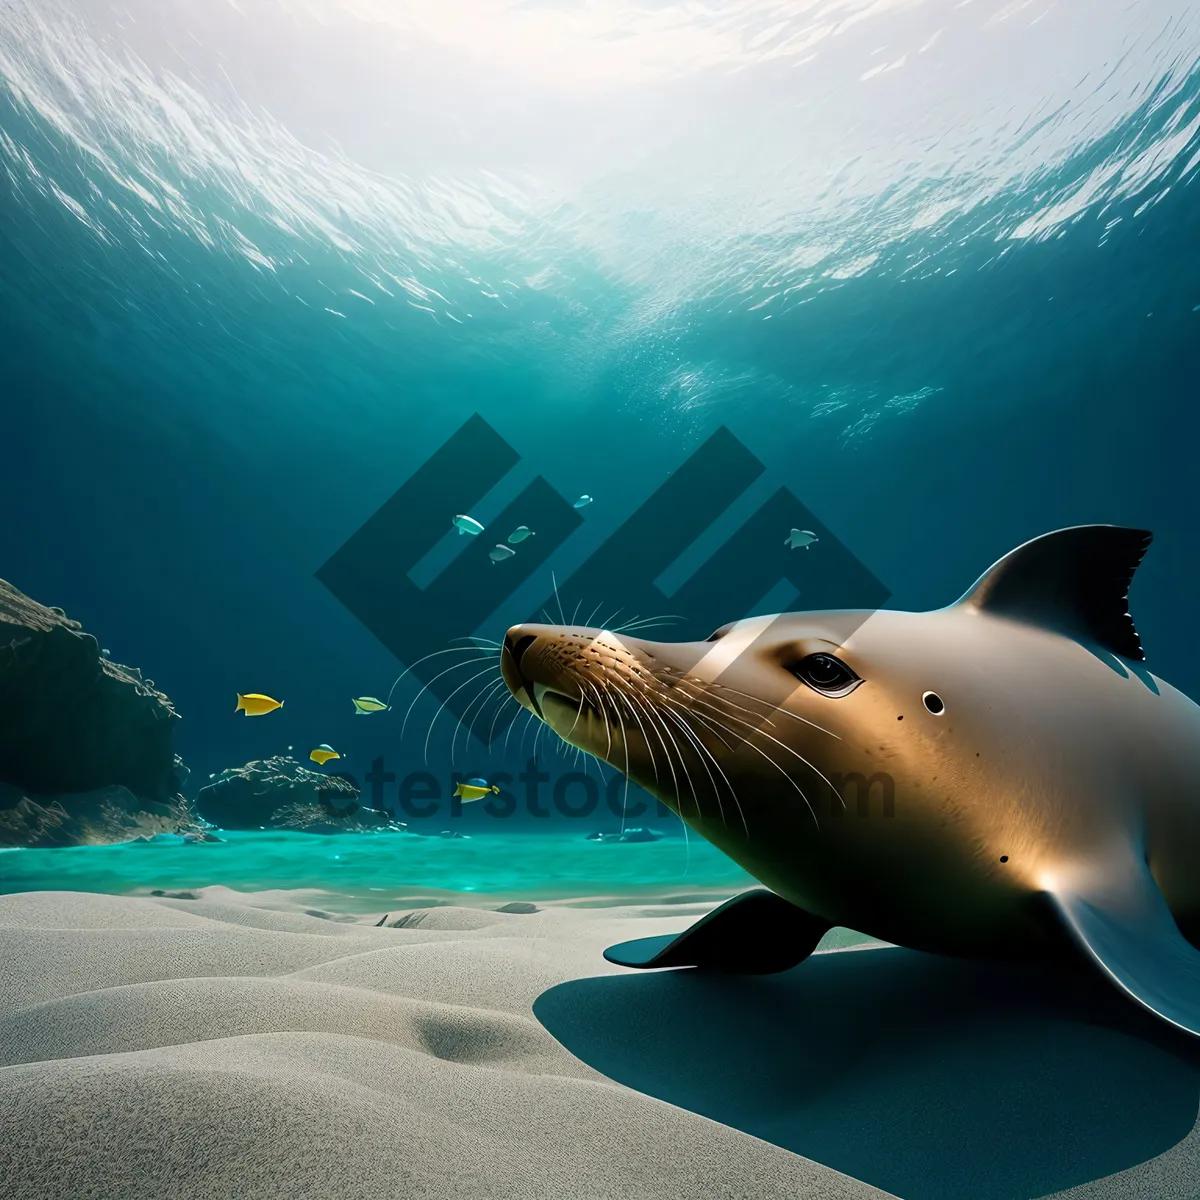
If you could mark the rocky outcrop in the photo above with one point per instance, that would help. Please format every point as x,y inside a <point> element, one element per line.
<point>279,793</point>
<point>106,815</point>
<point>71,720</point>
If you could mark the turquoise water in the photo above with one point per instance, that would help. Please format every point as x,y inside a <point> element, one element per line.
<point>372,872</point>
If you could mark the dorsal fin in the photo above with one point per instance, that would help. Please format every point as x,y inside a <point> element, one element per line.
<point>1075,581</point>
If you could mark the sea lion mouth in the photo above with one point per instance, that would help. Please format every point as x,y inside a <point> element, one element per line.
<point>549,676</point>
<point>548,702</point>
<point>564,712</point>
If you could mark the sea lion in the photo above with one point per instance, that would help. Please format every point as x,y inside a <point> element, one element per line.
<point>1023,786</point>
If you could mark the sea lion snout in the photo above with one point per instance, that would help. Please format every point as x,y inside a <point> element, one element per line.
<point>537,659</point>
<point>574,667</point>
<point>518,640</point>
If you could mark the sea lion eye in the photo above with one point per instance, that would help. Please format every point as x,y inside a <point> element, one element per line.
<point>827,675</point>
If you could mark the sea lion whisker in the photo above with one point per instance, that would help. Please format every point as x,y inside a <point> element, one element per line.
<point>562,620</point>
<point>704,750</point>
<point>715,727</point>
<point>534,724</point>
<point>488,693</point>
<point>604,624</point>
<point>745,741</point>
<point>503,706</point>
<point>595,690</point>
<point>784,746</point>
<point>681,719</point>
<point>638,623</point>
<point>777,708</point>
<point>679,754</point>
<point>465,663</point>
<point>537,737</point>
<point>429,734</point>
<point>760,723</point>
<point>758,750</point>
<point>699,690</point>
<point>651,715</point>
<point>426,658</point>
<point>675,783</point>
<point>724,709</point>
<point>578,713</point>
<point>528,716</point>
<point>625,745</point>
<point>645,736</point>
<point>652,711</point>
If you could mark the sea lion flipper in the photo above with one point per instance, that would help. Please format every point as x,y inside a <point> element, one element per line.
<point>1120,919</point>
<point>756,933</point>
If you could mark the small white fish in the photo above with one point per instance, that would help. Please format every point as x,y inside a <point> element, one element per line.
<point>582,502</point>
<point>499,553</point>
<point>801,539</point>
<point>465,524</point>
<point>519,534</point>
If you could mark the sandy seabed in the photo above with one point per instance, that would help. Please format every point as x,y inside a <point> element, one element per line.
<point>234,1046</point>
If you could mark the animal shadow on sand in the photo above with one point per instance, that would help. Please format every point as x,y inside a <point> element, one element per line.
<point>931,1078</point>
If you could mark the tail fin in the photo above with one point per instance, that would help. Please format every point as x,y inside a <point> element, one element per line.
<point>241,704</point>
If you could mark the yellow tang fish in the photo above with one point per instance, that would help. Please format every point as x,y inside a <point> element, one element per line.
<point>363,705</point>
<point>255,704</point>
<point>323,753</point>
<point>474,789</point>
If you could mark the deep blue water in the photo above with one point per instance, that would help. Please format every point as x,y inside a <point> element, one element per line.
<point>936,265</point>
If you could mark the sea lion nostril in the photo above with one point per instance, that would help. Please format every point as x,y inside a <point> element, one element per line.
<point>517,648</point>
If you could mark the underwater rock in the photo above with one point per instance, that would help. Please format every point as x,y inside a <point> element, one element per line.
<point>85,743</point>
<point>519,906</point>
<point>95,818</point>
<point>636,834</point>
<point>279,793</point>
<point>640,834</point>
<point>73,721</point>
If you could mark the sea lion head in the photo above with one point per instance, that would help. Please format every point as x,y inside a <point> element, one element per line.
<point>795,743</point>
